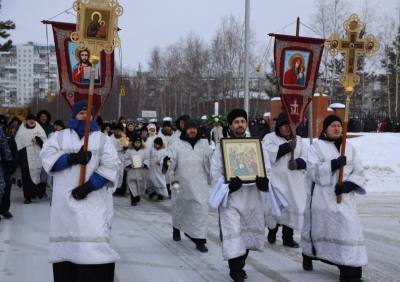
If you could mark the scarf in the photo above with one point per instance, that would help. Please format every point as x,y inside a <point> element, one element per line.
<point>79,126</point>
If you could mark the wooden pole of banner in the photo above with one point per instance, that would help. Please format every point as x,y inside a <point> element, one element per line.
<point>94,60</point>
<point>349,93</point>
<point>292,127</point>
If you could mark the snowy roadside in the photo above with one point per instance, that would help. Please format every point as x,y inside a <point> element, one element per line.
<point>380,155</point>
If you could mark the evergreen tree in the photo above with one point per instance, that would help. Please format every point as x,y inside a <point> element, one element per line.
<point>5,26</point>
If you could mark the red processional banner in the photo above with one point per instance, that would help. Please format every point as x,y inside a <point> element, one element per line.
<point>74,68</point>
<point>297,61</point>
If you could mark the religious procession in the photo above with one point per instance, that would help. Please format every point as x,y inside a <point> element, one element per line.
<point>154,186</point>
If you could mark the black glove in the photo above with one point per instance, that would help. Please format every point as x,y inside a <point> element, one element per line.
<point>262,183</point>
<point>235,184</point>
<point>80,192</point>
<point>345,187</point>
<point>301,164</point>
<point>338,163</point>
<point>39,141</point>
<point>292,165</point>
<point>165,163</point>
<point>81,157</point>
<point>284,149</point>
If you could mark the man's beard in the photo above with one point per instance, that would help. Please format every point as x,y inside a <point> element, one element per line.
<point>240,132</point>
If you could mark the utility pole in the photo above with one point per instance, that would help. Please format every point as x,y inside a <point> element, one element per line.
<point>246,57</point>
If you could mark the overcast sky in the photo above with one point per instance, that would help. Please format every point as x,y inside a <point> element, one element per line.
<point>148,23</point>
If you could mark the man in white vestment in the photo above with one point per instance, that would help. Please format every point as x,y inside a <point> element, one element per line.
<point>80,218</point>
<point>242,221</point>
<point>332,231</point>
<point>288,177</point>
<point>190,162</point>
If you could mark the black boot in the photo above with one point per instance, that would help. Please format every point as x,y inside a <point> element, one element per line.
<point>137,199</point>
<point>272,235</point>
<point>41,190</point>
<point>27,201</point>
<point>6,214</point>
<point>201,247</point>
<point>350,273</point>
<point>307,263</point>
<point>237,277</point>
<point>287,237</point>
<point>133,200</point>
<point>236,265</point>
<point>152,195</point>
<point>176,234</point>
<point>169,190</point>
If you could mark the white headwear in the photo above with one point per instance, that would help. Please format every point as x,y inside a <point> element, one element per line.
<point>267,114</point>
<point>151,125</point>
<point>203,117</point>
<point>167,119</point>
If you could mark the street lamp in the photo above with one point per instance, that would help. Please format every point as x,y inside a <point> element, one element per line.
<point>246,56</point>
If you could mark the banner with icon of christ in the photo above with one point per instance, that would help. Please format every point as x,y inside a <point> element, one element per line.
<point>74,64</point>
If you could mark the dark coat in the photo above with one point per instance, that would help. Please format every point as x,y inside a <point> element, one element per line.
<point>47,127</point>
<point>5,158</point>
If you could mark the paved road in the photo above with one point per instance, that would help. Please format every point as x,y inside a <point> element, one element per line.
<point>143,237</point>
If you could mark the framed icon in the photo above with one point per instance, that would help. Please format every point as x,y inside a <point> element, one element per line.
<point>97,25</point>
<point>243,158</point>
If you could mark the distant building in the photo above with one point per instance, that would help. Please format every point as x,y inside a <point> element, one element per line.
<point>26,72</point>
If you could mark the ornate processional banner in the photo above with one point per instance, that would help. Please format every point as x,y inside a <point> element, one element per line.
<point>74,68</point>
<point>297,61</point>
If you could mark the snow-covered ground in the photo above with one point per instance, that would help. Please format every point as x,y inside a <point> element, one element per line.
<point>142,235</point>
<point>380,155</point>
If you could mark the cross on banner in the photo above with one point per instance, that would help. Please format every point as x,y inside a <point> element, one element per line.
<point>294,108</point>
<point>352,45</point>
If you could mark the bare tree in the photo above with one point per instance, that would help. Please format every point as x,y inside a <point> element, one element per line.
<point>329,16</point>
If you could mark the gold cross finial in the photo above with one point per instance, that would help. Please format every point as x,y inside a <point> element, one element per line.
<point>352,44</point>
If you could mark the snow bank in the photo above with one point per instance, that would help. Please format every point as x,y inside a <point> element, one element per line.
<point>380,155</point>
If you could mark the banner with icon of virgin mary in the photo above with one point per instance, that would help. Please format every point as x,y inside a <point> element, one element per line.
<point>74,67</point>
<point>297,61</point>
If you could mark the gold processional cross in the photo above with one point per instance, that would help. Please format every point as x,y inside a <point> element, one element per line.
<point>352,45</point>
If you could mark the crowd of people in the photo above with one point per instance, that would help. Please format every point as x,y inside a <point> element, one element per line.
<point>182,162</point>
